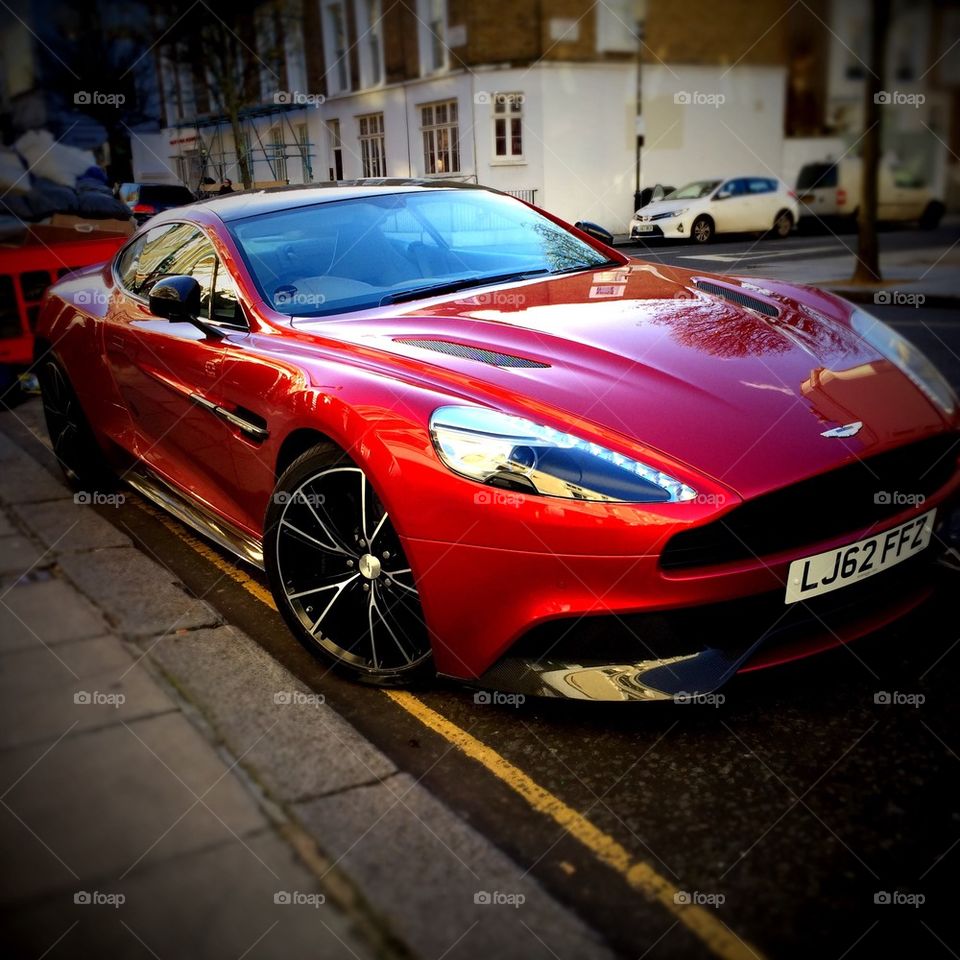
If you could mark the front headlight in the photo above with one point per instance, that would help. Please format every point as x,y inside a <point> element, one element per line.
<point>906,358</point>
<point>506,451</point>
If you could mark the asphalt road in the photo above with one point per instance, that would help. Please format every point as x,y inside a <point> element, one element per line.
<point>796,804</point>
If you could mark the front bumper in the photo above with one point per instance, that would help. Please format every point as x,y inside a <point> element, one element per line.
<point>623,628</point>
<point>672,228</point>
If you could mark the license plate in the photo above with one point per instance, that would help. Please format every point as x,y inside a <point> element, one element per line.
<point>807,197</point>
<point>813,576</point>
<point>644,228</point>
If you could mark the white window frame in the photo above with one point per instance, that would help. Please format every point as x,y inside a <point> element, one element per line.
<point>336,61</point>
<point>373,151</point>
<point>431,34</point>
<point>440,138</point>
<point>369,16</point>
<point>278,152</point>
<point>506,108</point>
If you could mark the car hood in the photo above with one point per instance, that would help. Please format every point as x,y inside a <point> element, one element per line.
<point>669,206</point>
<point>647,355</point>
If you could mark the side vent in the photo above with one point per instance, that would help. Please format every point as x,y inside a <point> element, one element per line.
<point>739,297</point>
<point>491,357</point>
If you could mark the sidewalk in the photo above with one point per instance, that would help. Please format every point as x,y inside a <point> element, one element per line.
<point>169,790</point>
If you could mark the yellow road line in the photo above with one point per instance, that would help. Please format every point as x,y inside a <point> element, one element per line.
<point>640,876</point>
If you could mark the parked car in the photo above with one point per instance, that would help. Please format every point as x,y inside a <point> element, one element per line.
<point>704,208</point>
<point>831,192</point>
<point>462,438</point>
<point>147,199</point>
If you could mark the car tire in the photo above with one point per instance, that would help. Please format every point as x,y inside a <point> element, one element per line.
<point>931,216</point>
<point>353,605</point>
<point>74,444</point>
<point>783,224</point>
<point>701,231</point>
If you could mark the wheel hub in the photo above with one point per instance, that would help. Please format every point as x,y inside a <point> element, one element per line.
<point>369,566</point>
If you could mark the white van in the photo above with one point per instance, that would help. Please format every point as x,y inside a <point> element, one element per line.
<point>831,191</point>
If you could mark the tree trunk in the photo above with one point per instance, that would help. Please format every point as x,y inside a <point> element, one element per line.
<point>868,249</point>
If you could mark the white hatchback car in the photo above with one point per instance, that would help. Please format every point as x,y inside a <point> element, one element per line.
<point>705,207</point>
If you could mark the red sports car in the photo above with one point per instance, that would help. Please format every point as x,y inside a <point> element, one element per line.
<point>462,436</point>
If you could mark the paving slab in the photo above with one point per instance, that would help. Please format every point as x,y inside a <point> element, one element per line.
<point>77,686</point>
<point>23,480</point>
<point>179,909</point>
<point>143,598</point>
<point>49,609</point>
<point>70,527</point>
<point>299,747</point>
<point>6,525</point>
<point>19,554</point>
<point>441,885</point>
<point>95,805</point>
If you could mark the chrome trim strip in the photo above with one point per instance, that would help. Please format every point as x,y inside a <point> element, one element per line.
<point>197,516</point>
<point>244,426</point>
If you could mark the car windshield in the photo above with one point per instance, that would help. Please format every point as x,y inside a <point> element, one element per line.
<point>163,194</point>
<point>355,254</point>
<point>694,191</point>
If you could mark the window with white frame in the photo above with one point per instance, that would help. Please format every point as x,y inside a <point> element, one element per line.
<point>303,145</point>
<point>441,137</point>
<point>336,47</point>
<point>507,109</point>
<point>336,150</point>
<point>370,41</point>
<point>277,151</point>
<point>432,35</point>
<point>617,26</point>
<point>373,155</point>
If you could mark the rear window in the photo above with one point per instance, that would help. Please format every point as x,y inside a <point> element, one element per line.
<point>165,195</point>
<point>815,175</point>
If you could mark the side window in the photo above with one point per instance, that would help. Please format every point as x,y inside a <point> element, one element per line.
<point>732,187</point>
<point>224,304</point>
<point>760,185</point>
<point>126,263</point>
<point>162,245</point>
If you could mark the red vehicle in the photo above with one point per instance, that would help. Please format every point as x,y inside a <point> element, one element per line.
<point>462,436</point>
<point>29,263</point>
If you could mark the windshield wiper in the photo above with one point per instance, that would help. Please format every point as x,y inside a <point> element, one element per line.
<point>453,286</point>
<point>586,266</point>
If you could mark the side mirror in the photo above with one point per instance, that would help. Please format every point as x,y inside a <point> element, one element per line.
<point>723,195</point>
<point>595,231</point>
<point>176,299</point>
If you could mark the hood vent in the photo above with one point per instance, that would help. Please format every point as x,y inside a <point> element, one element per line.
<point>738,297</point>
<point>490,357</point>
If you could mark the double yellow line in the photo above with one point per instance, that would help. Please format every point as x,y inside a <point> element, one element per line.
<point>640,876</point>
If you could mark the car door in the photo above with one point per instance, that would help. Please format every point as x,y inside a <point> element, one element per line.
<point>167,373</point>
<point>765,202</point>
<point>731,207</point>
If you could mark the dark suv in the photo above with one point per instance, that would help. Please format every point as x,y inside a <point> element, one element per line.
<point>146,199</point>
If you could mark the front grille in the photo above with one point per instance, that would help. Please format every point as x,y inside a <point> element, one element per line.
<point>731,625</point>
<point>738,297</point>
<point>491,357</point>
<point>847,499</point>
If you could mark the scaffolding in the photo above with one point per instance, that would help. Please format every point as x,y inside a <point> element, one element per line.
<point>213,157</point>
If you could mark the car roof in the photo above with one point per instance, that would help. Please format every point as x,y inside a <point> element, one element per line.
<point>250,203</point>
